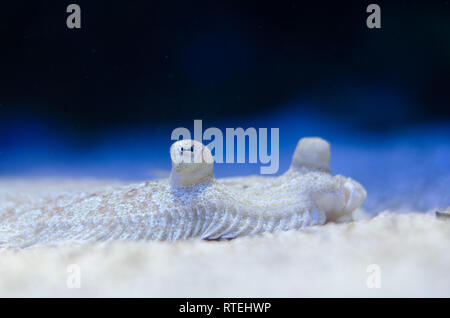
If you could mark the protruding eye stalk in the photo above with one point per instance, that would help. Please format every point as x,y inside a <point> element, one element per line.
<point>312,152</point>
<point>192,163</point>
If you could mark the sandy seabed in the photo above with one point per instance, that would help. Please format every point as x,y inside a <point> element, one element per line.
<point>411,250</point>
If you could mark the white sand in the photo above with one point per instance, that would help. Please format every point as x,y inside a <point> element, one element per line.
<point>412,251</point>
